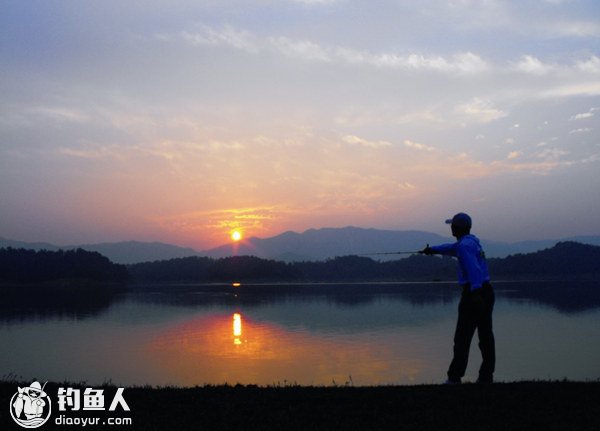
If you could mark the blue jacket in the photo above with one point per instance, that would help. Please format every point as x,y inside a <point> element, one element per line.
<point>472,267</point>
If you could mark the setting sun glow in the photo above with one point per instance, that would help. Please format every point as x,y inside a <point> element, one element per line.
<point>236,235</point>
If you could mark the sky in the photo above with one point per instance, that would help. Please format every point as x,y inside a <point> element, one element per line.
<point>179,121</point>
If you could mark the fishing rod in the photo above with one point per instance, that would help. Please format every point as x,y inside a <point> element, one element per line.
<point>393,252</point>
<point>388,253</point>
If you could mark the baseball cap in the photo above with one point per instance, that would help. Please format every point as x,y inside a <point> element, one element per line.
<point>461,220</point>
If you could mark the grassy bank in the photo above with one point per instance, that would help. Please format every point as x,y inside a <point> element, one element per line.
<point>506,406</point>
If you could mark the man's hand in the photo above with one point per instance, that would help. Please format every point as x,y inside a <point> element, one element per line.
<point>428,251</point>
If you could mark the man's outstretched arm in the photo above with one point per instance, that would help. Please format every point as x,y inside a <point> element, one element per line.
<point>444,249</point>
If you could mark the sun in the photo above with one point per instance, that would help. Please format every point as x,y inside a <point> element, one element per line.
<point>236,235</point>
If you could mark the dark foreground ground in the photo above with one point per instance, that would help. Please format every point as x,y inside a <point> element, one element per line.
<point>506,406</point>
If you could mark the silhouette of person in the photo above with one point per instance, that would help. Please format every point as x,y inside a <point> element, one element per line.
<point>476,302</point>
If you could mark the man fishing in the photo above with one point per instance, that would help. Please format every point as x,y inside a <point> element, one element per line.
<point>476,303</point>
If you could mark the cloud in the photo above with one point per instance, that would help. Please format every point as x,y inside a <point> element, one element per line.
<point>480,110</point>
<point>582,29</point>
<point>467,62</point>
<point>591,88</point>
<point>551,154</point>
<point>60,113</point>
<point>463,166</point>
<point>581,116</point>
<point>540,163</point>
<point>406,186</point>
<point>592,65</point>
<point>227,36</point>
<point>252,219</point>
<point>584,115</point>
<point>580,130</point>
<point>307,50</point>
<point>417,146</point>
<point>355,140</point>
<point>532,65</point>
<point>303,49</point>
<point>84,153</point>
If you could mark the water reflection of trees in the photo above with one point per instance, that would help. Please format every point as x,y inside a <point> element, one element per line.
<point>566,296</point>
<point>563,296</point>
<point>257,294</point>
<point>78,302</point>
<point>25,302</point>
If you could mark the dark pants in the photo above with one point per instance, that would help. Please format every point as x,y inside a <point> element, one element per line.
<point>474,313</point>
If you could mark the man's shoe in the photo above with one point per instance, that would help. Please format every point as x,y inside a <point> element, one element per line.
<point>452,382</point>
<point>486,381</point>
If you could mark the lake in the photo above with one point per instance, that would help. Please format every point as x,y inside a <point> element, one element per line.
<point>325,334</point>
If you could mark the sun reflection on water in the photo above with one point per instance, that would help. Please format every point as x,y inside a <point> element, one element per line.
<point>234,348</point>
<point>237,328</point>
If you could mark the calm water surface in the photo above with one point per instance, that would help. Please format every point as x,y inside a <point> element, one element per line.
<point>362,334</point>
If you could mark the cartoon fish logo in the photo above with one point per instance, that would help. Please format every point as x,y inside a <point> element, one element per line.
<point>30,406</point>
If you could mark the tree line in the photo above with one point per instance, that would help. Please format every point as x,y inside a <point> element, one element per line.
<point>250,268</point>
<point>566,259</point>
<point>21,265</point>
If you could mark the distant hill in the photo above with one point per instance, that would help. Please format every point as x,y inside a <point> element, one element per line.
<point>326,243</point>
<point>500,249</point>
<point>135,251</point>
<point>125,252</point>
<point>6,243</point>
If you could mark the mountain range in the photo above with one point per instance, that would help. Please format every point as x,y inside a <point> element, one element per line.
<point>125,252</point>
<point>313,244</point>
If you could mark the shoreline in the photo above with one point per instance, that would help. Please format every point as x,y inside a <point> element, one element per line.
<point>134,285</point>
<point>553,405</point>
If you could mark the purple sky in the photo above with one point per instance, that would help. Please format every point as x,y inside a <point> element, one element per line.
<point>179,121</point>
